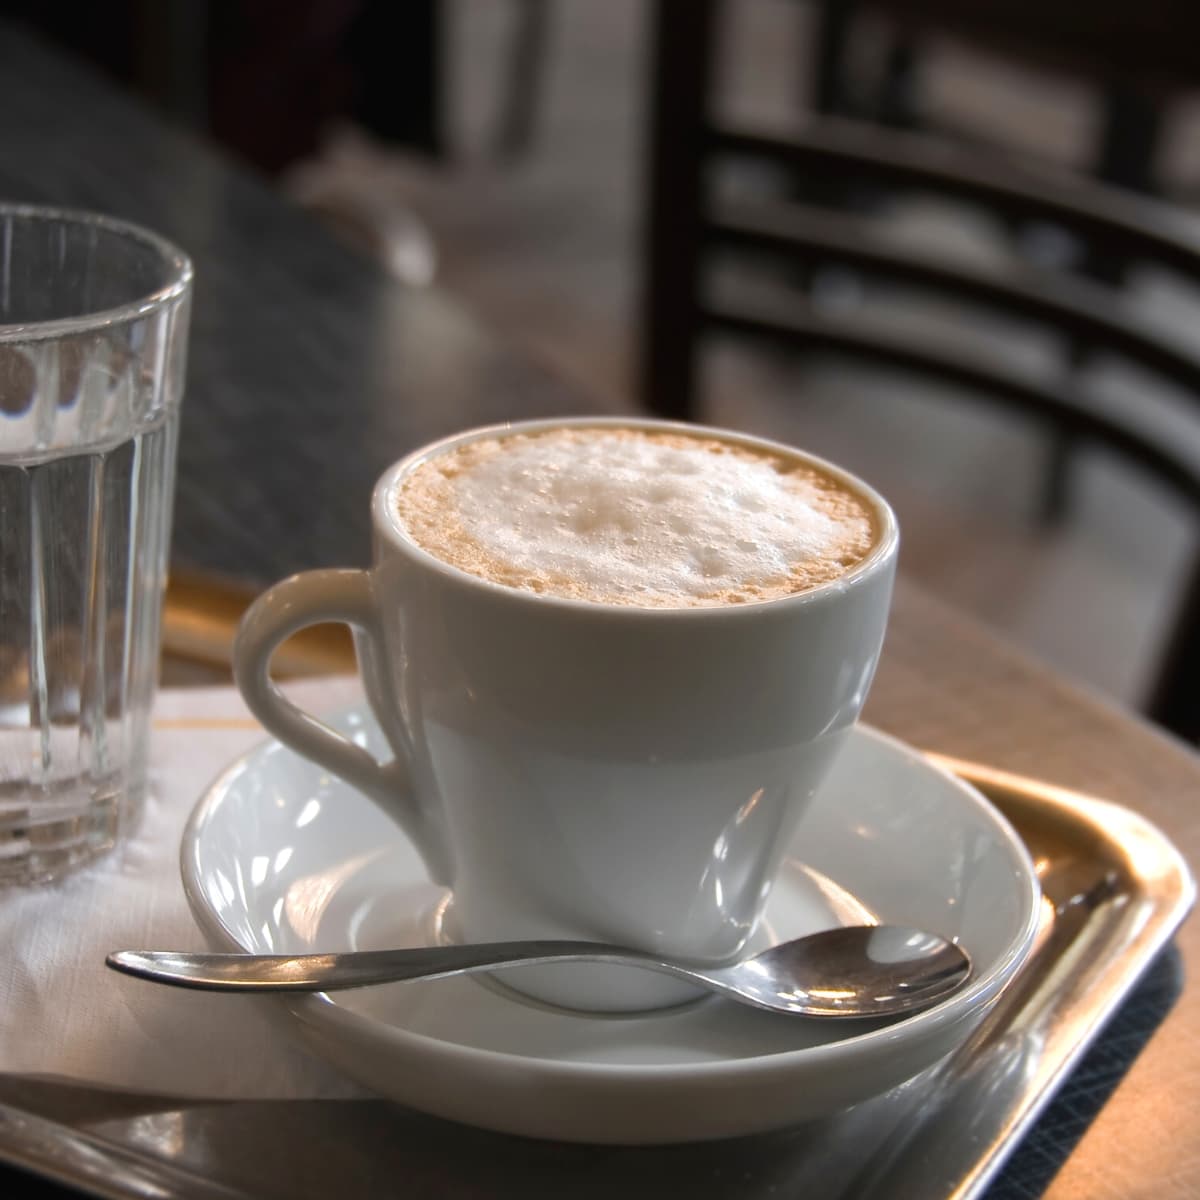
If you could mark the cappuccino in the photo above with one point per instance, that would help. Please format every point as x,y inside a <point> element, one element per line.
<point>638,517</point>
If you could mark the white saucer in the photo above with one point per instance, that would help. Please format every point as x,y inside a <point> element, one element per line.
<point>279,856</point>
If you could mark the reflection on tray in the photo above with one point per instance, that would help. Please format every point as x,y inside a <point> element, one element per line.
<point>200,619</point>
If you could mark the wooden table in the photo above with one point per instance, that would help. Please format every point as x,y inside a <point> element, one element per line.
<point>310,371</point>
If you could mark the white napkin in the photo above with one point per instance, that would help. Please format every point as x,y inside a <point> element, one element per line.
<point>63,1013</point>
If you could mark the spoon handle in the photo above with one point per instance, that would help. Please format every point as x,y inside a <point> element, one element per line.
<point>327,972</point>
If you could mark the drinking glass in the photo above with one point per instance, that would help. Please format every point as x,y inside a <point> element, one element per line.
<point>93,334</point>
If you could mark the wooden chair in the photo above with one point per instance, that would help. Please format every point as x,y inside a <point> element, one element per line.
<point>688,227</point>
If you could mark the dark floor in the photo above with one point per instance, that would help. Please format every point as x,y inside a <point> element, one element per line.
<point>545,249</point>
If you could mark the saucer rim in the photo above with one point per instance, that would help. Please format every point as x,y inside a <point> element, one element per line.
<point>319,1010</point>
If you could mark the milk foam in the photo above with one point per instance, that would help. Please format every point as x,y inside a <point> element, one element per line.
<point>634,517</point>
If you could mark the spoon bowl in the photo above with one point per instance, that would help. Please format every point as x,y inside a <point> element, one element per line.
<point>853,971</point>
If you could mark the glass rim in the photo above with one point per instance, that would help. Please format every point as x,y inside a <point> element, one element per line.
<point>178,266</point>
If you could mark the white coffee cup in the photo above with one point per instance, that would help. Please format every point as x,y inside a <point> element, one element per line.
<point>586,770</point>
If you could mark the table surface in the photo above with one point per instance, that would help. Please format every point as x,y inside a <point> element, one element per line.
<point>311,370</point>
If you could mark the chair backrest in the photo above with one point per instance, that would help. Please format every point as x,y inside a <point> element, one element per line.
<point>689,224</point>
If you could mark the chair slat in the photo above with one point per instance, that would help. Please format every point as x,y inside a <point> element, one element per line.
<point>1102,316</point>
<point>986,381</point>
<point>1111,218</point>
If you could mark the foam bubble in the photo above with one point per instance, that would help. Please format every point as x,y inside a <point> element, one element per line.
<point>634,517</point>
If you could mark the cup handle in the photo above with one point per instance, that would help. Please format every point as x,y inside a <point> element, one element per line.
<point>313,598</point>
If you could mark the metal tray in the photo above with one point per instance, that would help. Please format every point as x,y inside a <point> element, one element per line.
<point>1115,890</point>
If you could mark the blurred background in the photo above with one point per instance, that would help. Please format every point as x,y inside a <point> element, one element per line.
<point>610,183</point>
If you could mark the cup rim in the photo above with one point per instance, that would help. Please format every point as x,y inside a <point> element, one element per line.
<point>179,270</point>
<point>387,525</point>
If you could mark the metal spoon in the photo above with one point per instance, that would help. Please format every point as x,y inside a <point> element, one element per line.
<point>856,971</point>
